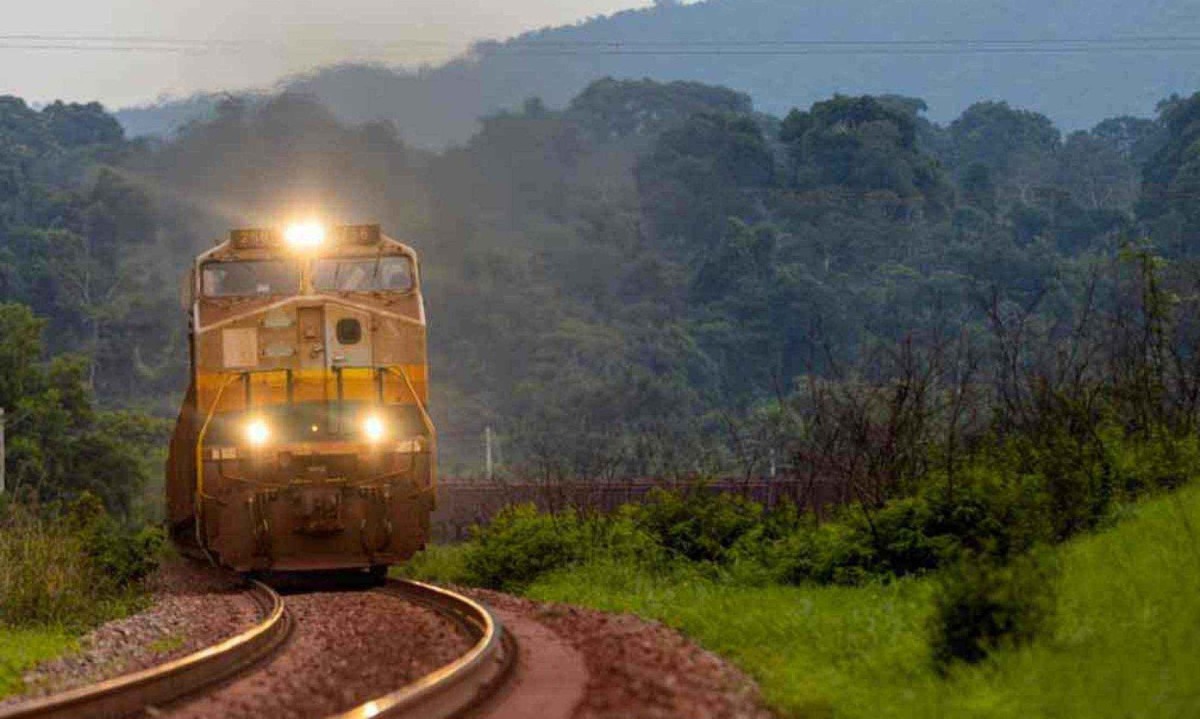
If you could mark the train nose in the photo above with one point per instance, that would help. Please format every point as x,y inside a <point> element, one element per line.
<point>318,511</point>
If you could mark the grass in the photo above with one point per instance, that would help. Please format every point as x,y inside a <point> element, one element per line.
<point>1124,642</point>
<point>437,563</point>
<point>20,649</point>
<point>167,644</point>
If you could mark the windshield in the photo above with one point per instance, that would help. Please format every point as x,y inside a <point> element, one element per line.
<point>386,274</point>
<point>249,279</point>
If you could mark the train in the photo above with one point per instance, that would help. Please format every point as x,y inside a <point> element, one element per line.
<point>304,441</point>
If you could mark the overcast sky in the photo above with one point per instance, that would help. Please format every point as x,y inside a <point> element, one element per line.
<point>99,46</point>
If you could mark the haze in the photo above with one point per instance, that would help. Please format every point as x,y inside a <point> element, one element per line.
<point>134,51</point>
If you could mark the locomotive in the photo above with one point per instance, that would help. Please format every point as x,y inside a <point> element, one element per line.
<point>304,441</point>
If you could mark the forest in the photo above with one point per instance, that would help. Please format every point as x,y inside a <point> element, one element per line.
<point>1077,62</point>
<point>638,283</point>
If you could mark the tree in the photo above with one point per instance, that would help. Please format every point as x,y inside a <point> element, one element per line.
<point>1017,146</point>
<point>696,178</point>
<point>866,147</point>
<point>1171,178</point>
<point>20,350</point>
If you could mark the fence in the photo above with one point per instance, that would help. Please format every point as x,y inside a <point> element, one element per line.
<point>466,502</point>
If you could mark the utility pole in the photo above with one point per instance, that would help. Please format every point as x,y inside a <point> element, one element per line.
<point>1,450</point>
<point>487,443</point>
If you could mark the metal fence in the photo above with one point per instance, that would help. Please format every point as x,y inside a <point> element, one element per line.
<point>465,502</point>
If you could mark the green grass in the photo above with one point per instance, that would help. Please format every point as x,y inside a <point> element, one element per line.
<point>167,644</point>
<point>20,649</point>
<point>444,563</point>
<point>1126,638</point>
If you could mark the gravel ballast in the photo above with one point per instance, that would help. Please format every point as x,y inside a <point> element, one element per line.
<point>194,606</point>
<point>347,648</point>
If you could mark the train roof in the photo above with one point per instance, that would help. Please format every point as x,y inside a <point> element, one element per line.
<point>262,242</point>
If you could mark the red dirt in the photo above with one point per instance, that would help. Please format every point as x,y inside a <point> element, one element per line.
<point>638,668</point>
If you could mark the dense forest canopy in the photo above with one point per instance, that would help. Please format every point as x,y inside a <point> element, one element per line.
<point>628,285</point>
<point>1078,62</point>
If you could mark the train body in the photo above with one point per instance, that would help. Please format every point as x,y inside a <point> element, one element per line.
<point>304,441</point>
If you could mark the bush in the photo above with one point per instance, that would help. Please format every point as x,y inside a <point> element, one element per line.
<point>831,553</point>
<point>519,544</point>
<point>698,525</point>
<point>984,604</point>
<point>70,568</point>
<point>1158,462</point>
<point>126,556</point>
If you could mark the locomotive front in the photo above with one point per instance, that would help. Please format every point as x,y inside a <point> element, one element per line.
<point>304,441</point>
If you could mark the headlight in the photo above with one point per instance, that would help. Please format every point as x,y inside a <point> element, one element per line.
<point>373,428</point>
<point>257,432</point>
<point>304,235</point>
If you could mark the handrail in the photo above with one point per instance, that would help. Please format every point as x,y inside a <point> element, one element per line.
<point>200,464</point>
<point>416,399</point>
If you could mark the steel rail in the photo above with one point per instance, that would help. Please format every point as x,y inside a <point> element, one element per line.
<point>131,693</point>
<point>459,686</point>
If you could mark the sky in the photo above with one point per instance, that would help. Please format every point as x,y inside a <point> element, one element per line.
<point>127,52</point>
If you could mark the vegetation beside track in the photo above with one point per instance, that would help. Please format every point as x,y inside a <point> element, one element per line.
<point>20,649</point>
<point>63,570</point>
<point>1120,642</point>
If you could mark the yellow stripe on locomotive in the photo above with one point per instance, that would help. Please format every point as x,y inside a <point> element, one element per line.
<point>304,440</point>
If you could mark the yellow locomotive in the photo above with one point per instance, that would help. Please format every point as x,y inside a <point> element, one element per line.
<point>304,440</point>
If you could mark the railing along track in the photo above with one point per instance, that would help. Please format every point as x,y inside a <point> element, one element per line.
<point>460,686</point>
<point>132,693</point>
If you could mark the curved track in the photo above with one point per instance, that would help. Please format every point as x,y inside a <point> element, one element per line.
<point>449,691</point>
<point>132,693</point>
<point>460,686</point>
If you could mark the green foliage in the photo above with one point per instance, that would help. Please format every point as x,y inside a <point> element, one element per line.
<point>446,563</point>
<point>697,525</point>
<point>71,568</point>
<point>1172,178</point>
<point>982,605</point>
<point>1119,643</point>
<point>612,109</point>
<point>519,544</point>
<point>21,649</point>
<point>60,446</point>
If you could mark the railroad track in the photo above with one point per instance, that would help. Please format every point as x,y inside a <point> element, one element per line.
<point>459,686</point>
<point>449,691</point>
<point>132,693</point>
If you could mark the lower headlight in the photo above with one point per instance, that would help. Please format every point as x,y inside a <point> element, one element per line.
<point>373,428</point>
<point>257,432</point>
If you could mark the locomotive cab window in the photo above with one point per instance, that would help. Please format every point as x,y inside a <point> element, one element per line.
<point>349,331</point>
<point>250,279</point>
<point>375,274</point>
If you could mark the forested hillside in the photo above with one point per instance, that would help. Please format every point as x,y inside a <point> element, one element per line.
<point>1076,61</point>
<point>630,285</point>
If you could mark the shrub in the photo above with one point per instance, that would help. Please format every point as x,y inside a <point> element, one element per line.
<point>620,537</point>
<point>698,525</point>
<point>1160,461</point>
<point>903,537</point>
<point>983,604</point>
<point>70,568</point>
<point>125,555</point>
<point>519,544</point>
<point>832,553</point>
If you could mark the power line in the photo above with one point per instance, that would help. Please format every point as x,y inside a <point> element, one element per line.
<point>753,47</point>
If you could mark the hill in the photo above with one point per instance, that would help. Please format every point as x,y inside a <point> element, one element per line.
<point>1077,62</point>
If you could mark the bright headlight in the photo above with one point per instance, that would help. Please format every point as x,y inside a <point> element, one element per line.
<point>257,432</point>
<point>304,235</point>
<point>373,428</point>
